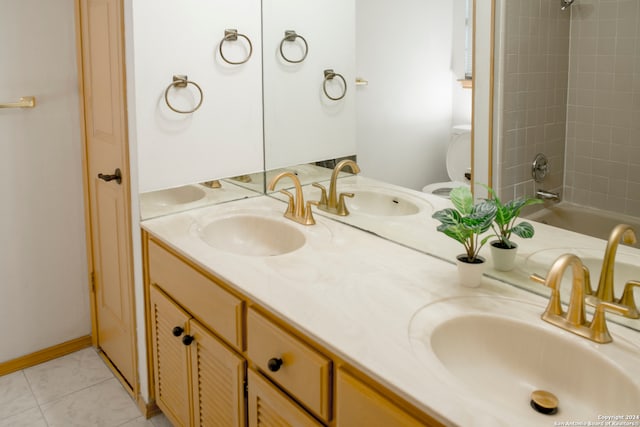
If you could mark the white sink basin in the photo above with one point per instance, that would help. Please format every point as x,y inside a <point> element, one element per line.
<point>252,235</point>
<point>381,203</point>
<point>174,196</point>
<point>626,268</point>
<point>499,351</point>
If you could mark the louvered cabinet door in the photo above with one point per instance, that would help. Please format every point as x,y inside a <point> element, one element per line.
<point>269,407</point>
<point>217,381</point>
<point>170,358</point>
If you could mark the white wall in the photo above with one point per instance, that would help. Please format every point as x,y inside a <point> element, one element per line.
<point>44,297</point>
<point>405,114</point>
<point>301,124</point>
<point>224,137</point>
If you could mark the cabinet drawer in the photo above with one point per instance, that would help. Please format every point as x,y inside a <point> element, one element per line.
<point>359,405</point>
<point>214,307</point>
<point>303,372</point>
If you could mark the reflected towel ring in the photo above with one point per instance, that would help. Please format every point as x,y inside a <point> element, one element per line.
<point>329,75</point>
<point>180,81</point>
<point>291,36</point>
<point>231,36</point>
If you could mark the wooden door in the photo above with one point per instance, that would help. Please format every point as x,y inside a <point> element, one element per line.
<point>109,201</point>
<point>217,381</point>
<point>169,326</point>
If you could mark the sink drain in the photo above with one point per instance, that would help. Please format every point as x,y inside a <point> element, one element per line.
<point>544,402</point>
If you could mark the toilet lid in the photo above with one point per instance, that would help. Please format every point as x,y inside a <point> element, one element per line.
<point>459,157</point>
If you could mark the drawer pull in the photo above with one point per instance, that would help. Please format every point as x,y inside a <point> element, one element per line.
<point>187,339</point>
<point>274,364</point>
<point>177,331</point>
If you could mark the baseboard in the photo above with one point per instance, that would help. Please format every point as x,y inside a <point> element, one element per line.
<point>147,409</point>
<point>45,355</point>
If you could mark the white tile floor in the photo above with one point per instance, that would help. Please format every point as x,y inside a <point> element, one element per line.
<point>74,390</point>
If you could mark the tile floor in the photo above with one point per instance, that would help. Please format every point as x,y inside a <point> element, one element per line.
<point>73,390</point>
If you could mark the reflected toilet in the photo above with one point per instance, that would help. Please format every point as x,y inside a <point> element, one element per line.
<point>458,162</point>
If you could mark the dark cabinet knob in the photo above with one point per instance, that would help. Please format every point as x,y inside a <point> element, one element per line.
<point>274,364</point>
<point>117,175</point>
<point>177,331</point>
<point>187,339</point>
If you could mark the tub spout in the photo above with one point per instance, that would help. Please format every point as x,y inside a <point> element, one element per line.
<point>548,195</point>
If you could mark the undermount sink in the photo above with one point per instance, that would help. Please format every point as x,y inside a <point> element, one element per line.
<point>381,203</point>
<point>252,235</point>
<point>174,196</point>
<point>626,267</point>
<point>500,351</point>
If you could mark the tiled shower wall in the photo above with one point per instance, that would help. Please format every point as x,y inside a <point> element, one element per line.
<point>572,76</point>
<point>603,132</point>
<point>534,88</point>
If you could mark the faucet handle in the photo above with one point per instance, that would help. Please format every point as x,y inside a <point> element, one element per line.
<point>323,194</point>
<point>627,299</point>
<point>291,207</point>
<point>538,279</point>
<point>554,307</point>
<point>600,332</point>
<point>308,215</point>
<point>342,207</point>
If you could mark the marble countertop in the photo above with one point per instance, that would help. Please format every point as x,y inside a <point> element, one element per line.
<point>357,294</point>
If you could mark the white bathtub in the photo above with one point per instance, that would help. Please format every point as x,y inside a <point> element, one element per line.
<point>584,220</point>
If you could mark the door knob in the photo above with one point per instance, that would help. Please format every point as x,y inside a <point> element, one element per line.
<point>117,175</point>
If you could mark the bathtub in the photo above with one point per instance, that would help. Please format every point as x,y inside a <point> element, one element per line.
<point>590,221</point>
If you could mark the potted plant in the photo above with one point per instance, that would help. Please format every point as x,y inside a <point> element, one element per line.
<point>503,250</point>
<point>465,223</point>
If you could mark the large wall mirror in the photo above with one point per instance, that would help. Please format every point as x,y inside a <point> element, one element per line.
<point>567,85</point>
<point>402,63</point>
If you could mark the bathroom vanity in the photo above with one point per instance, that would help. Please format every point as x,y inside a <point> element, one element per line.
<point>330,325</point>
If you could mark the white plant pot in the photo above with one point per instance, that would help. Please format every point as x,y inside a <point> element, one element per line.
<point>470,274</point>
<point>503,259</point>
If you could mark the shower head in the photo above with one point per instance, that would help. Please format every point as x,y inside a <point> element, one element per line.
<point>565,4</point>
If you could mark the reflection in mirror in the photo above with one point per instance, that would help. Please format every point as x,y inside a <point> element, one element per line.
<point>567,86</point>
<point>408,100</point>
<point>178,199</point>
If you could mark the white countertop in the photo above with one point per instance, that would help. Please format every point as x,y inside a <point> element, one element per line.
<point>357,294</point>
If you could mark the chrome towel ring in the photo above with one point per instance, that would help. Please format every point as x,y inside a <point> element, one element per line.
<point>232,35</point>
<point>180,81</point>
<point>329,75</point>
<point>291,36</point>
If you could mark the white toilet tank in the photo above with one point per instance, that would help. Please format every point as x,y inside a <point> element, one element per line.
<point>458,162</point>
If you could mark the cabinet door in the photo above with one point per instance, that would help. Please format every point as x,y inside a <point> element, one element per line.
<point>217,381</point>
<point>268,407</point>
<point>170,358</point>
<point>358,405</point>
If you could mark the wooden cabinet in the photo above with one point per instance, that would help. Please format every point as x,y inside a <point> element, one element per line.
<point>359,405</point>
<point>170,360</point>
<point>199,381</point>
<point>269,407</point>
<point>295,366</point>
<point>200,365</point>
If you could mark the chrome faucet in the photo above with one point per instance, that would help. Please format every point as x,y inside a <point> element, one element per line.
<point>574,319</point>
<point>548,195</point>
<point>335,203</point>
<point>605,291</point>
<point>296,209</point>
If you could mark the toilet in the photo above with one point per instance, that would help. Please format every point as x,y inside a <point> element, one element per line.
<point>458,162</point>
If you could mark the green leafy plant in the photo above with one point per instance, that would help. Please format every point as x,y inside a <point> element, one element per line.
<point>467,221</point>
<point>504,222</point>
